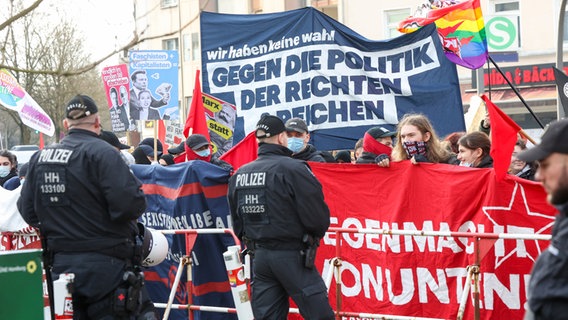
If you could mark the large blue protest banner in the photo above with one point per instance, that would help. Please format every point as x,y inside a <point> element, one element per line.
<point>302,63</point>
<point>189,195</point>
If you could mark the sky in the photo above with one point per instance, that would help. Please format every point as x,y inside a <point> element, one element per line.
<point>105,24</point>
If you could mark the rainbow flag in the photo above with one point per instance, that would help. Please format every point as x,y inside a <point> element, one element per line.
<point>461,26</point>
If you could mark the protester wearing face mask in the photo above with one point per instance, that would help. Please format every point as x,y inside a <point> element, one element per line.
<point>14,182</point>
<point>298,138</point>
<point>418,142</point>
<point>197,147</point>
<point>473,150</point>
<point>8,165</point>
<point>166,160</point>
<point>23,172</point>
<point>377,146</point>
<point>143,154</point>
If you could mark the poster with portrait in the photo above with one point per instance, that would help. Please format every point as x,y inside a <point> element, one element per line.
<point>154,84</point>
<point>221,117</point>
<point>117,87</point>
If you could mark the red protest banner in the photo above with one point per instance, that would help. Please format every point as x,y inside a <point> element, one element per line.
<point>424,276</point>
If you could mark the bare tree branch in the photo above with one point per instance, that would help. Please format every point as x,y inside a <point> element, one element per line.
<point>21,14</point>
<point>60,71</point>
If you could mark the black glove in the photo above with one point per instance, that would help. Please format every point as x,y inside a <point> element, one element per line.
<point>381,157</point>
<point>420,158</point>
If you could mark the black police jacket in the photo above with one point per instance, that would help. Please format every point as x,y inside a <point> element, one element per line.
<point>277,198</point>
<point>83,194</point>
<point>549,277</point>
<point>309,153</point>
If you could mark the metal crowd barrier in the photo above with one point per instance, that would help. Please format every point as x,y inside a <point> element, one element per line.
<point>472,281</point>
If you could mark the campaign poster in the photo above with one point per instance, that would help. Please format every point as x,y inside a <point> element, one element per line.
<point>221,117</point>
<point>117,88</point>
<point>154,84</point>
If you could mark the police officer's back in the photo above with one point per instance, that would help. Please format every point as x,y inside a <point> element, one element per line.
<point>85,200</point>
<point>278,209</point>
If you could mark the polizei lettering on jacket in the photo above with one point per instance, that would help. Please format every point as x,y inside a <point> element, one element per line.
<point>55,156</point>
<point>251,179</point>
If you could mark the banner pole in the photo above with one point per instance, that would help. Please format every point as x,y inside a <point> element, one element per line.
<point>182,110</point>
<point>476,280</point>
<point>516,92</point>
<point>156,140</point>
<point>488,77</point>
<point>465,294</point>
<point>175,285</point>
<point>526,135</point>
<point>337,269</point>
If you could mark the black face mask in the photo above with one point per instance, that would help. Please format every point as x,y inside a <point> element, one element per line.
<point>140,156</point>
<point>413,148</point>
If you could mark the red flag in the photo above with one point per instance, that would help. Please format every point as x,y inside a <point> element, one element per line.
<point>41,142</point>
<point>242,153</point>
<point>162,134</point>
<point>196,117</point>
<point>504,135</point>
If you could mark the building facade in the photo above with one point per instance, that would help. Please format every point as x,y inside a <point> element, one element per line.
<point>522,36</point>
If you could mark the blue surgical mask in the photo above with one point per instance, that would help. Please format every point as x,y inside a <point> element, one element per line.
<point>466,164</point>
<point>4,171</point>
<point>203,153</point>
<point>295,144</point>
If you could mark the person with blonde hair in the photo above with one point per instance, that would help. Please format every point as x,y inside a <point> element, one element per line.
<point>418,142</point>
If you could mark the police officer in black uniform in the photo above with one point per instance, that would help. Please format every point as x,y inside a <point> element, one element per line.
<point>278,210</point>
<point>547,296</point>
<point>85,201</point>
